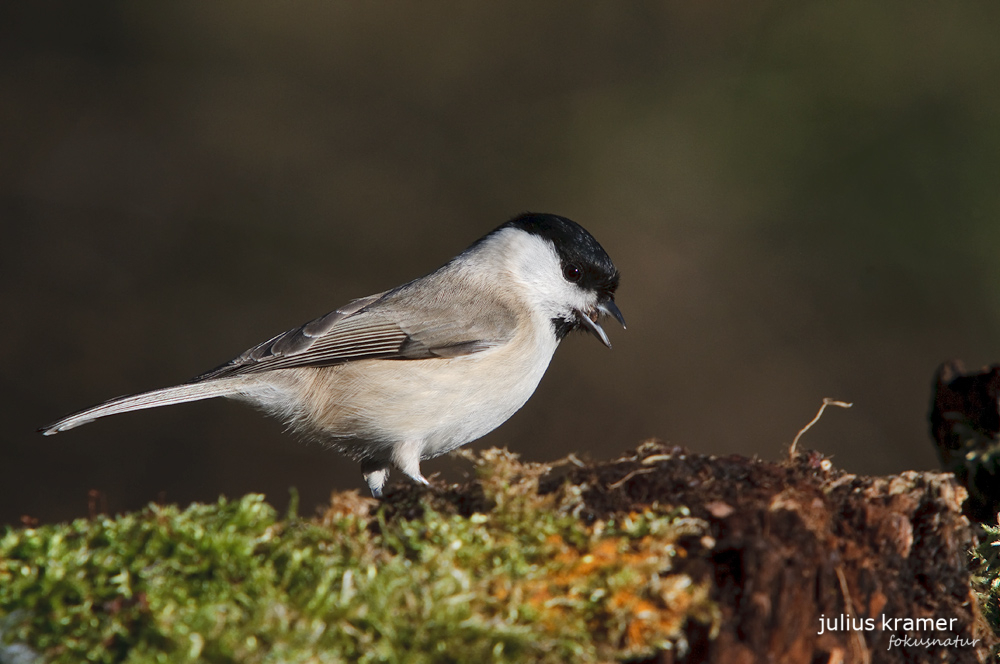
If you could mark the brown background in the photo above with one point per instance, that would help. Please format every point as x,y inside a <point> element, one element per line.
<point>803,198</point>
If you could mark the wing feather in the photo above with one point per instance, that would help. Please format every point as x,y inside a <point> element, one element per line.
<point>378,326</point>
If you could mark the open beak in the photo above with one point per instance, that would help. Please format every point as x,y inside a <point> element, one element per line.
<point>589,319</point>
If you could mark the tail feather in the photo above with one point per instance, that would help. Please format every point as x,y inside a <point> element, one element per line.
<point>162,397</point>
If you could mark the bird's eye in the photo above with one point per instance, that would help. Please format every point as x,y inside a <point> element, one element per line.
<point>572,273</point>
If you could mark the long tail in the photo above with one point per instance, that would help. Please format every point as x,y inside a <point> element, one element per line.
<point>163,397</point>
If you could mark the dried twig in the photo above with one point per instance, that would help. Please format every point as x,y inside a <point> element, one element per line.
<point>827,401</point>
<point>640,471</point>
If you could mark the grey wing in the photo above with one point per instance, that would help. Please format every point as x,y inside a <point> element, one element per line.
<point>374,327</point>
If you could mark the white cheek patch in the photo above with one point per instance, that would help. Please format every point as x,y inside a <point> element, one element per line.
<point>534,264</point>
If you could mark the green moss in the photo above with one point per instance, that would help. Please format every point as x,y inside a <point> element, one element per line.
<point>986,558</point>
<point>231,582</point>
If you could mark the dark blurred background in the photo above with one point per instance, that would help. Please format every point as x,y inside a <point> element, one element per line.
<point>803,198</point>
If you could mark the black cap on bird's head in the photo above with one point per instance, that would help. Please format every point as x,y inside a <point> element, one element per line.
<point>584,263</point>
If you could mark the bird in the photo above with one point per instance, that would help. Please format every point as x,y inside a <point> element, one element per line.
<point>417,371</point>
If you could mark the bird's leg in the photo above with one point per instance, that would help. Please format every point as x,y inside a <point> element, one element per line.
<point>406,456</point>
<point>376,473</point>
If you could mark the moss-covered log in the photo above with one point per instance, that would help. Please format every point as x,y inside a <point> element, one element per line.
<point>661,555</point>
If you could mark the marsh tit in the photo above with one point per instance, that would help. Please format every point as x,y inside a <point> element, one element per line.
<point>424,368</point>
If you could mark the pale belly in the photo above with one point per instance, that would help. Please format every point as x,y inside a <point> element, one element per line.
<point>365,408</point>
